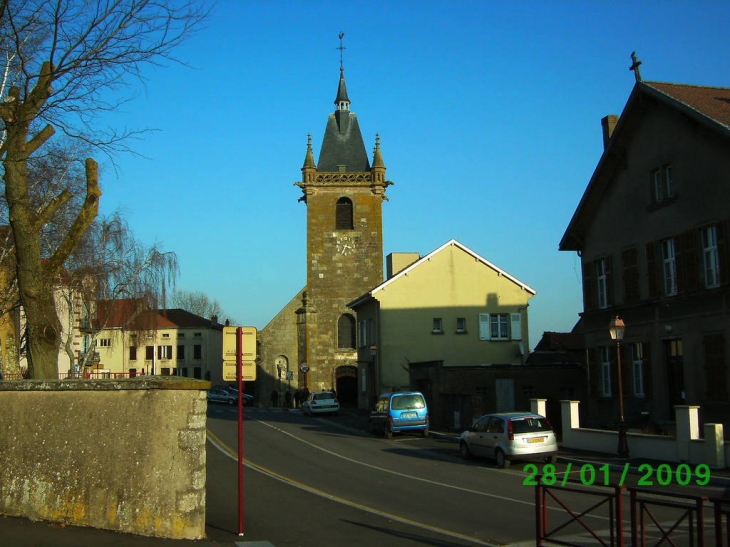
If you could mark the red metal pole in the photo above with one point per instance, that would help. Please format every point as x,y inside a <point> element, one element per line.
<point>239,380</point>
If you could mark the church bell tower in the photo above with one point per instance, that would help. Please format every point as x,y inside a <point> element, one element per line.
<point>343,193</point>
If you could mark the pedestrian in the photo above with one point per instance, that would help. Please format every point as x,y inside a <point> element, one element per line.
<point>274,398</point>
<point>298,397</point>
<point>287,398</point>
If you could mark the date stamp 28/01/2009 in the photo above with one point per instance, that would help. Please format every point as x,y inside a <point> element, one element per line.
<point>588,474</point>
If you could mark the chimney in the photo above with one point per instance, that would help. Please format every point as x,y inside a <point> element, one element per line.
<point>397,262</point>
<point>608,124</point>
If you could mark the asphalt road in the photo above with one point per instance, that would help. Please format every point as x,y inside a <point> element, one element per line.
<point>314,481</point>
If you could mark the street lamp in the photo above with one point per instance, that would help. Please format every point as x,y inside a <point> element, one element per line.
<point>616,328</point>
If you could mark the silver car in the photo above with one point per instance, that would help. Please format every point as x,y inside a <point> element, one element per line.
<point>322,402</point>
<point>508,436</point>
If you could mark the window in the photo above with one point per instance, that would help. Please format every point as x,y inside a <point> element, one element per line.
<point>637,369</point>
<point>181,335</point>
<point>494,326</point>
<point>602,285</point>
<point>164,352</point>
<point>105,342</point>
<point>166,335</point>
<point>346,332</point>
<point>669,267</point>
<point>180,352</point>
<point>343,214</point>
<point>197,352</point>
<point>662,180</point>
<point>437,325</point>
<point>197,373</point>
<point>149,353</point>
<point>499,326</point>
<point>197,334</point>
<point>132,353</point>
<point>710,258</point>
<point>461,325</point>
<point>165,371</point>
<point>605,372</point>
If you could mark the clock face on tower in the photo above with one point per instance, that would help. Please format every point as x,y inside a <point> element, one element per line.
<point>345,245</point>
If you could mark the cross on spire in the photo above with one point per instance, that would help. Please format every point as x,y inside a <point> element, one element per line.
<point>635,66</point>
<point>342,35</point>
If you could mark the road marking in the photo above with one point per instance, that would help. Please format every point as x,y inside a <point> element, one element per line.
<point>228,451</point>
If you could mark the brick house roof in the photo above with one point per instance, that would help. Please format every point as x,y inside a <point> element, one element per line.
<point>711,102</point>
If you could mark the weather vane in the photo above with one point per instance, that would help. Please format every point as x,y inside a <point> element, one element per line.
<point>342,35</point>
<point>635,66</point>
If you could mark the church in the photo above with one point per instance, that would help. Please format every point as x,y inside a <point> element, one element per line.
<point>311,343</point>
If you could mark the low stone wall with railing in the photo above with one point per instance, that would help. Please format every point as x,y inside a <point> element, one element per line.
<point>125,455</point>
<point>688,445</point>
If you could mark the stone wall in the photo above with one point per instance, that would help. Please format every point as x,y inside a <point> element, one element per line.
<point>124,455</point>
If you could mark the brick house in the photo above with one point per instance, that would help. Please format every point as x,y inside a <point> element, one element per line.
<point>651,232</point>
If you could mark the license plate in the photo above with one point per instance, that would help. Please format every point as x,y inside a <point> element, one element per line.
<point>409,415</point>
<point>536,440</point>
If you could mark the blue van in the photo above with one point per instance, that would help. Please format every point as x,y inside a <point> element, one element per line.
<point>398,412</point>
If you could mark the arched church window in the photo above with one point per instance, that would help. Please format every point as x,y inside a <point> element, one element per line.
<point>346,332</point>
<point>343,216</point>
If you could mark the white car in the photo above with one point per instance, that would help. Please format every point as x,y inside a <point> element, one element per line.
<point>510,436</point>
<point>321,402</point>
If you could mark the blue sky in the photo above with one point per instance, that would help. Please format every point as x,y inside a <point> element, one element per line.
<point>488,113</point>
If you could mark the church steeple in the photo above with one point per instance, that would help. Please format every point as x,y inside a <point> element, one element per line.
<point>342,101</point>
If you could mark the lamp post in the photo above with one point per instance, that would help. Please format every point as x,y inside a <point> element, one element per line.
<point>616,328</point>
<point>374,355</point>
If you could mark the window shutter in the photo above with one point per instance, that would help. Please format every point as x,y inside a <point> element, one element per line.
<point>646,368</point>
<point>484,332</point>
<point>651,270</point>
<point>722,253</point>
<point>516,326</point>
<point>594,372</point>
<point>609,282</point>
<point>589,287</point>
<point>688,263</point>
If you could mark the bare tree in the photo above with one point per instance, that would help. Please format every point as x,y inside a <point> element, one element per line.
<point>62,57</point>
<point>199,303</point>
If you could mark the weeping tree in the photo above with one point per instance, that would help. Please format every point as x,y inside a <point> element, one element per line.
<point>63,60</point>
<point>111,265</point>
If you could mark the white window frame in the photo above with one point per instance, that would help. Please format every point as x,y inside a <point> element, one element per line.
<point>602,283</point>
<point>606,371</point>
<point>669,267</point>
<point>710,258</point>
<point>637,369</point>
<point>461,325</point>
<point>438,325</point>
<point>515,326</point>
<point>105,342</point>
<point>165,351</point>
<point>494,326</point>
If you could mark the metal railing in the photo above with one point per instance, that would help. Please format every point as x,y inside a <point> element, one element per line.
<point>655,517</point>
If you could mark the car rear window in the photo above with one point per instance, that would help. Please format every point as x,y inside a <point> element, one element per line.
<point>530,425</point>
<point>407,402</point>
<point>320,396</point>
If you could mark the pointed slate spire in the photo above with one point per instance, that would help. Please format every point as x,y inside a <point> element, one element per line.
<point>377,156</point>
<point>309,158</point>
<point>342,101</point>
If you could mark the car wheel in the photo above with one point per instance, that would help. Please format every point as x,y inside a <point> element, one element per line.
<point>231,401</point>
<point>502,461</point>
<point>464,450</point>
<point>387,432</point>
<point>424,432</point>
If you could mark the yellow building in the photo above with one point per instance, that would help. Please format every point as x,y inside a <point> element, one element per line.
<point>159,342</point>
<point>451,307</point>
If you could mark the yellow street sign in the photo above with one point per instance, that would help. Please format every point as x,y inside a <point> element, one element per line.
<point>248,351</point>
<point>248,371</point>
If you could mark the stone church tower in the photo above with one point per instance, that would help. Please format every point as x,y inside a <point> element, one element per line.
<point>343,193</point>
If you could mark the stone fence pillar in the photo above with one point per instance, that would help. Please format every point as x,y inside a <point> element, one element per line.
<point>714,446</point>
<point>688,429</point>
<point>537,406</point>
